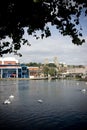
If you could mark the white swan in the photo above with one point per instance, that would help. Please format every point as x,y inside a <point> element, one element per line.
<point>7,101</point>
<point>84,90</point>
<point>40,101</point>
<point>11,96</point>
<point>77,83</point>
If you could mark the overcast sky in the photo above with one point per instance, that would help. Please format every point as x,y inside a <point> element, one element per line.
<point>55,46</point>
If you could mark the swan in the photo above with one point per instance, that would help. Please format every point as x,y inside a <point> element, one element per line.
<point>11,96</point>
<point>85,82</point>
<point>7,101</point>
<point>40,101</point>
<point>84,90</point>
<point>77,83</point>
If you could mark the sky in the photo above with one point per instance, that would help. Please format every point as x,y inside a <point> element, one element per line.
<point>55,46</point>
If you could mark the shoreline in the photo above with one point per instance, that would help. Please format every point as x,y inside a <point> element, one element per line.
<point>24,78</point>
<point>43,78</point>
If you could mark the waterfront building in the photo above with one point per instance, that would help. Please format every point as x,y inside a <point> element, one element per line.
<point>8,61</point>
<point>34,72</point>
<point>10,68</point>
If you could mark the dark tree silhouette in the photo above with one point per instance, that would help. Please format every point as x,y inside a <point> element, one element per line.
<point>15,15</point>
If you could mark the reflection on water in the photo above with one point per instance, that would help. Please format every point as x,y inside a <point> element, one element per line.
<point>63,107</point>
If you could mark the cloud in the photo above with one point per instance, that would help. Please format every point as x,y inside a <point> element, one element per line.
<point>56,45</point>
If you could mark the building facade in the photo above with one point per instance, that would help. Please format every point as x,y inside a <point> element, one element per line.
<point>9,68</point>
<point>34,72</point>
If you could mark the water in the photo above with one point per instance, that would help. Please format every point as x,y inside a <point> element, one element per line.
<point>63,106</point>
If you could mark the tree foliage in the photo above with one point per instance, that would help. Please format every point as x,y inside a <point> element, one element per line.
<point>51,65</point>
<point>46,70</point>
<point>34,64</point>
<point>15,15</point>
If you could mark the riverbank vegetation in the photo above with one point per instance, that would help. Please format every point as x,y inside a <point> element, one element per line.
<point>62,71</point>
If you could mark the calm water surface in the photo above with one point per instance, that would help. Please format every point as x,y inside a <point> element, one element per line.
<point>64,105</point>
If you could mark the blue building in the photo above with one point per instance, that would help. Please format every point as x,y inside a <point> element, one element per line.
<point>9,68</point>
<point>11,71</point>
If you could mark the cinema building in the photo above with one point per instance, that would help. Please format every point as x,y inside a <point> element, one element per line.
<point>10,68</point>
